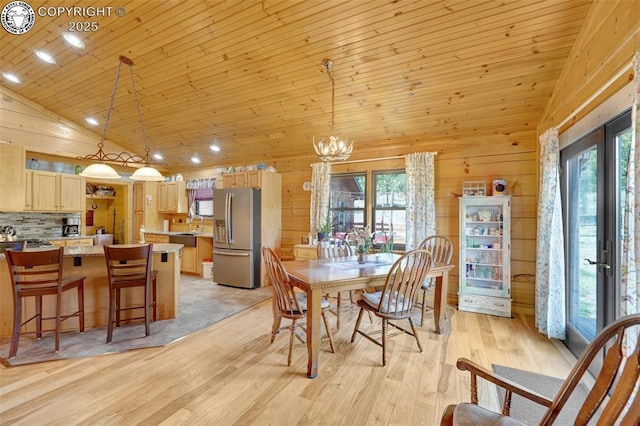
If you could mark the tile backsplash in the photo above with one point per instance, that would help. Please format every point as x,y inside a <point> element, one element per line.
<point>35,225</point>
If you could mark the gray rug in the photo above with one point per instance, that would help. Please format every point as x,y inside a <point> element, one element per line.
<point>202,303</point>
<point>530,412</point>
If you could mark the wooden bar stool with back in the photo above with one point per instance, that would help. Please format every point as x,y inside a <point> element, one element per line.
<point>130,267</point>
<point>37,274</point>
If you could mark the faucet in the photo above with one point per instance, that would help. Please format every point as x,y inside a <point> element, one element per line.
<point>198,227</point>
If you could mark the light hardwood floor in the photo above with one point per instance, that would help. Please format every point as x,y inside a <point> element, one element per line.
<point>230,374</point>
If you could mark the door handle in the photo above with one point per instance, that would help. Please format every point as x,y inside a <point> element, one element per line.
<point>605,265</point>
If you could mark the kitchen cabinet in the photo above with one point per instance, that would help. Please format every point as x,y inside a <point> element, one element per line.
<point>12,177</point>
<point>155,238</point>
<point>248,179</point>
<point>172,197</point>
<point>485,247</point>
<point>75,242</point>
<point>53,192</point>
<point>304,251</point>
<point>72,193</point>
<point>145,206</point>
<point>189,261</point>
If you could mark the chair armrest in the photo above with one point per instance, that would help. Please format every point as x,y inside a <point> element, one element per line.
<point>475,369</point>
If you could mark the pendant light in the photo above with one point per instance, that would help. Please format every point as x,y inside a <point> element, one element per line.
<point>101,170</point>
<point>334,149</point>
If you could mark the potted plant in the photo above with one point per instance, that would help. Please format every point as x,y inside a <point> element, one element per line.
<point>325,227</point>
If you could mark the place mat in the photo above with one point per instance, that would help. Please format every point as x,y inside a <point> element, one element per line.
<point>353,264</point>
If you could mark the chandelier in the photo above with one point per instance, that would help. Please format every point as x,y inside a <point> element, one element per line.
<point>334,149</point>
<point>101,170</point>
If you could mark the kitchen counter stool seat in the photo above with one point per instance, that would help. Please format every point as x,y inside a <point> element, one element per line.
<point>130,267</point>
<point>38,274</point>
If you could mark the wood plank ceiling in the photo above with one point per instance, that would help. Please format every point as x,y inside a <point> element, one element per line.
<point>247,75</point>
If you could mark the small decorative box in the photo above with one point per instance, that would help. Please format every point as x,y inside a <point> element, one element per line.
<point>474,188</point>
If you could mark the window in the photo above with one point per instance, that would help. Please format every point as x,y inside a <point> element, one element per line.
<point>383,208</point>
<point>204,202</point>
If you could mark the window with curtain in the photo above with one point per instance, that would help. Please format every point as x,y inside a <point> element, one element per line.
<point>383,208</point>
<point>204,202</point>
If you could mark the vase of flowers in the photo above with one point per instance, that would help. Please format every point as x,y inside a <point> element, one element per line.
<point>362,241</point>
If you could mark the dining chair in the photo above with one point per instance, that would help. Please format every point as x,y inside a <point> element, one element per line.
<point>334,247</point>
<point>395,300</point>
<point>130,267</point>
<point>441,250</point>
<point>288,303</point>
<point>37,274</point>
<point>612,398</point>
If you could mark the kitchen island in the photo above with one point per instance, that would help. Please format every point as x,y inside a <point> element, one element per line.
<point>89,261</point>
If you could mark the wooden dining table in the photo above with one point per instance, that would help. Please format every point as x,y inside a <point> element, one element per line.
<point>318,277</point>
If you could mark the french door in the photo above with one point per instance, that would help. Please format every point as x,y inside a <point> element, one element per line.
<point>593,186</point>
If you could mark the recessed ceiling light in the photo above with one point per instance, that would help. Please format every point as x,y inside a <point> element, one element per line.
<point>158,156</point>
<point>45,56</point>
<point>92,121</point>
<point>195,159</point>
<point>73,40</point>
<point>11,77</point>
<point>214,148</point>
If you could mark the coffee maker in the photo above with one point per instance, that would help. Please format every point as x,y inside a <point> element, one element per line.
<point>70,227</point>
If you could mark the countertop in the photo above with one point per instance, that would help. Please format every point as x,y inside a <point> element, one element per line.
<point>81,251</point>
<point>195,234</point>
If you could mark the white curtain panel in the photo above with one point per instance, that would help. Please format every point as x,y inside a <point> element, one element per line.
<point>550,277</point>
<point>320,194</point>
<point>420,210</point>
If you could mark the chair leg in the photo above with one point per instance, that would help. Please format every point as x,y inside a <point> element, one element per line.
<point>112,308</point>
<point>147,310</point>
<point>384,342</point>
<point>355,330</point>
<point>81,305</point>
<point>424,306</point>
<point>415,333</point>
<point>58,321</point>
<point>277,319</point>
<point>293,330</point>
<point>155,303</point>
<point>38,316</point>
<point>117,307</point>
<point>15,333</point>
<point>329,335</point>
<point>338,308</point>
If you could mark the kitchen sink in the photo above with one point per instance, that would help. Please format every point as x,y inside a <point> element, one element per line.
<point>188,239</point>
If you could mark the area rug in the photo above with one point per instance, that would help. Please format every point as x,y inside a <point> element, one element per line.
<point>202,303</point>
<point>530,412</point>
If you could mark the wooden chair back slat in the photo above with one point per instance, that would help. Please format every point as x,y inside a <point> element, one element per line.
<point>403,281</point>
<point>332,247</point>
<point>286,302</point>
<point>440,247</point>
<point>613,387</point>
<point>35,269</point>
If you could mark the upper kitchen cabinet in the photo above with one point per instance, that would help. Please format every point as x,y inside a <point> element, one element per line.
<point>172,197</point>
<point>248,179</point>
<point>12,177</point>
<point>55,192</point>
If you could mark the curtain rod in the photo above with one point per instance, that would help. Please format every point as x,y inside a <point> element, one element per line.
<point>395,157</point>
<point>598,92</point>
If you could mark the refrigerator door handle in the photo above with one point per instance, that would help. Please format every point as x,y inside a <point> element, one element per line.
<point>226,217</point>
<point>232,253</point>
<point>230,214</point>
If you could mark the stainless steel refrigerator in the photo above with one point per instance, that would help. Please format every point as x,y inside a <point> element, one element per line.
<point>236,231</point>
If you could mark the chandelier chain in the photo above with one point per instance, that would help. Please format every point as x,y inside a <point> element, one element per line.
<point>135,96</point>
<point>110,108</point>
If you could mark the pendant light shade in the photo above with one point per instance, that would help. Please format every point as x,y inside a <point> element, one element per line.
<point>333,149</point>
<point>101,170</point>
<point>148,174</point>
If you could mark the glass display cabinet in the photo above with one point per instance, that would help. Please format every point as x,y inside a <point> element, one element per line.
<point>485,247</point>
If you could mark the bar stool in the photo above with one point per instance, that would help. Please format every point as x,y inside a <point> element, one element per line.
<point>129,267</point>
<point>37,274</point>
